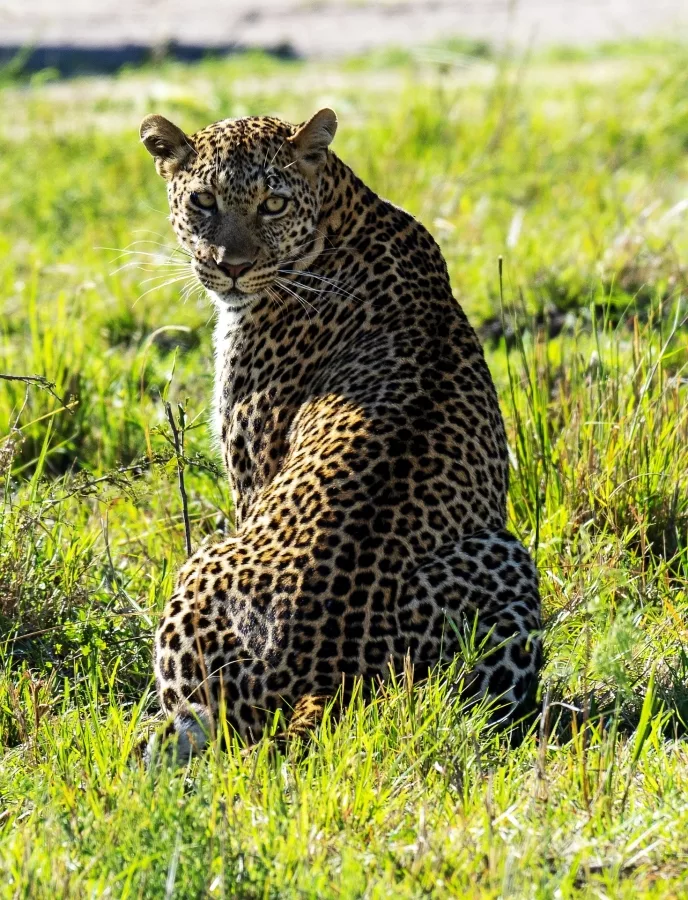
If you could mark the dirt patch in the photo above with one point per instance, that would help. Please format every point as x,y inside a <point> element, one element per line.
<point>326,28</point>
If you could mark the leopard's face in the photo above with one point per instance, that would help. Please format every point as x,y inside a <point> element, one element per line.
<point>244,198</point>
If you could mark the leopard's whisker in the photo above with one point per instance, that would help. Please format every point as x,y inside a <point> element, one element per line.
<point>323,279</point>
<point>330,251</point>
<point>296,297</point>
<point>270,164</point>
<point>162,275</point>
<point>304,303</point>
<point>150,267</point>
<point>173,248</point>
<point>150,231</point>
<point>128,249</point>
<point>321,234</point>
<point>321,292</point>
<point>159,260</point>
<point>275,297</point>
<point>160,286</point>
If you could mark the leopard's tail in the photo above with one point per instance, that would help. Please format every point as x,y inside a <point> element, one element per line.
<point>185,735</point>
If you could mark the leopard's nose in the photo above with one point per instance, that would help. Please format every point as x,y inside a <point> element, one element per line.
<point>235,270</point>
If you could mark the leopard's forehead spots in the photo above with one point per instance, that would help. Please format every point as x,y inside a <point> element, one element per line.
<point>241,159</point>
<point>233,149</point>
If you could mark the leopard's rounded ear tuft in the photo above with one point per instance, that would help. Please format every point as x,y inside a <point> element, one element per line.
<point>312,139</point>
<point>166,143</point>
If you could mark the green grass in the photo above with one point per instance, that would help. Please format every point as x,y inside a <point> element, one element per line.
<point>575,170</point>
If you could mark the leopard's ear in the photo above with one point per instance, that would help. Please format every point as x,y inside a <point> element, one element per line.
<point>167,144</point>
<point>313,138</point>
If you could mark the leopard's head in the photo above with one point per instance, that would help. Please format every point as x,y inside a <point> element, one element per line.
<point>245,197</point>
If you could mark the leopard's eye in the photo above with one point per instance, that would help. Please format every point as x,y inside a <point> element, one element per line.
<point>203,200</point>
<point>273,206</point>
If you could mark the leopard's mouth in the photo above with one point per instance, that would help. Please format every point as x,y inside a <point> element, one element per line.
<point>214,279</point>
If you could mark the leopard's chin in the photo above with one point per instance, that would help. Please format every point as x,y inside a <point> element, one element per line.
<point>233,299</point>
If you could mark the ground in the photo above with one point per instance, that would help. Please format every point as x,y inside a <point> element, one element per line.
<point>575,172</point>
<point>323,28</point>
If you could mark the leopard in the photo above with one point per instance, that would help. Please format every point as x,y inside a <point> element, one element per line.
<point>363,442</point>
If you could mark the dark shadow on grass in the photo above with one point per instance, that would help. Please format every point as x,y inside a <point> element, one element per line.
<point>567,715</point>
<point>71,60</point>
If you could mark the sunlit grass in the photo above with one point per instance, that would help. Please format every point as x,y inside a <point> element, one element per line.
<point>576,173</point>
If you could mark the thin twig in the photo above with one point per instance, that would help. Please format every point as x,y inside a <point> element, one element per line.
<point>179,453</point>
<point>115,478</point>
<point>40,381</point>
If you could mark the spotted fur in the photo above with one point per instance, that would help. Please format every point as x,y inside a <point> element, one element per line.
<point>362,437</point>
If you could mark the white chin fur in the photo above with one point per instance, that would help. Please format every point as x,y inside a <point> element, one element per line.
<point>232,306</point>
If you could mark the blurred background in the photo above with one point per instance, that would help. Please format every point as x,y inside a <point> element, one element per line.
<point>73,33</point>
